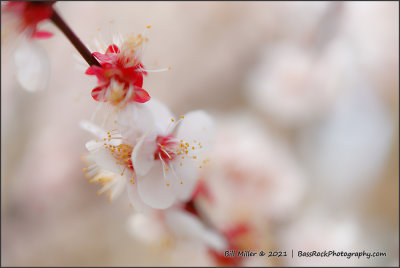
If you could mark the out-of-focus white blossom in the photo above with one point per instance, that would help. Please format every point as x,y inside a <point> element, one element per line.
<point>32,66</point>
<point>294,86</point>
<point>19,32</point>
<point>175,225</point>
<point>252,173</point>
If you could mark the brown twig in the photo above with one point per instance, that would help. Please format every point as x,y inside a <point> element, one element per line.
<point>82,49</point>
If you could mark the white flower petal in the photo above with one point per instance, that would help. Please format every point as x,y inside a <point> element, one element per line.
<point>153,190</point>
<point>135,120</point>
<point>143,154</point>
<point>187,174</point>
<point>187,226</point>
<point>196,126</point>
<point>104,160</point>
<point>32,66</point>
<point>92,128</point>
<point>92,145</point>
<point>136,201</point>
<point>161,114</point>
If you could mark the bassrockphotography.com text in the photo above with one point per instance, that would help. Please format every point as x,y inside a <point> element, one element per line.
<point>305,254</point>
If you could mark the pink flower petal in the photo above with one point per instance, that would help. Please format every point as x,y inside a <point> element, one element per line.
<point>140,95</point>
<point>99,94</point>
<point>132,76</point>
<point>112,49</point>
<point>102,57</point>
<point>42,35</point>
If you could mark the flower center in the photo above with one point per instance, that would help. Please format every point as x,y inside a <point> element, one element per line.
<point>122,152</point>
<point>169,148</point>
<point>166,148</point>
<point>117,93</point>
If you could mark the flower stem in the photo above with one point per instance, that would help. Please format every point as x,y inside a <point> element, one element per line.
<point>82,49</point>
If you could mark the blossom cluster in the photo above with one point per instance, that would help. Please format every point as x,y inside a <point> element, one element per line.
<point>153,155</point>
<point>148,152</point>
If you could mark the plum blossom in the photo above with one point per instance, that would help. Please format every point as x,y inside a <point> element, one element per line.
<point>109,160</point>
<point>109,164</point>
<point>293,85</point>
<point>169,154</point>
<point>254,173</point>
<point>25,16</point>
<point>120,76</point>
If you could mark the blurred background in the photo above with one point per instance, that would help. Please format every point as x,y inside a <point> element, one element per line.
<point>305,99</point>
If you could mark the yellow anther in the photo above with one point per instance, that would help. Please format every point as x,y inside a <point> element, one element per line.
<point>180,164</point>
<point>181,182</point>
<point>84,170</point>
<point>183,157</point>
<point>192,147</point>
<point>162,147</point>
<point>169,68</point>
<point>108,133</point>
<point>148,26</point>
<point>194,157</point>
<point>172,120</point>
<point>167,184</point>
<point>182,116</point>
<point>200,166</point>
<point>98,29</point>
<point>166,168</point>
<point>181,140</point>
<point>98,192</point>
